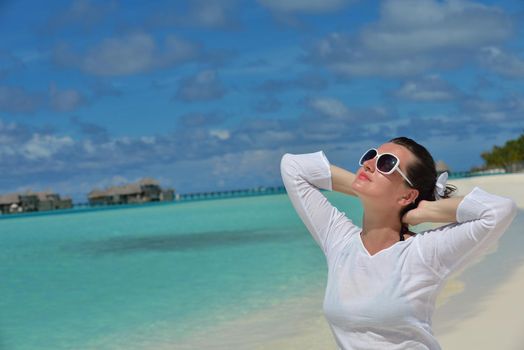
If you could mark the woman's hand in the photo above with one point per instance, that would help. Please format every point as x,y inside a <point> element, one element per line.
<point>416,216</point>
<point>443,210</point>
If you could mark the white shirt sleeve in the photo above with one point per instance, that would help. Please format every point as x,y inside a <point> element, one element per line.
<point>482,218</point>
<point>303,175</point>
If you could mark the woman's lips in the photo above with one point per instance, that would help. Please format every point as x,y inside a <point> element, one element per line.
<point>363,176</point>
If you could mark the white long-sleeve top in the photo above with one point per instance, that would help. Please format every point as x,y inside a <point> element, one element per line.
<point>386,300</point>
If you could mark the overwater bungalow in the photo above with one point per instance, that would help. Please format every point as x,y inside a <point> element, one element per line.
<point>32,201</point>
<point>10,203</point>
<point>51,201</point>
<point>145,190</point>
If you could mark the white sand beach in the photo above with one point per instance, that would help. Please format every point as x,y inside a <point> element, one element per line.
<point>480,308</point>
<point>496,318</point>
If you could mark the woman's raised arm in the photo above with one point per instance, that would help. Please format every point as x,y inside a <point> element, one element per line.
<point>303,176</point>
<point>443,210</point>
<point>342,180</point>
<point>477,221</point>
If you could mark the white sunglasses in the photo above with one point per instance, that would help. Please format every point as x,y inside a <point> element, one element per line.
<point>386,163</point>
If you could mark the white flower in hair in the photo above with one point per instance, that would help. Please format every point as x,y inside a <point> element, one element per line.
<point>440,186</point>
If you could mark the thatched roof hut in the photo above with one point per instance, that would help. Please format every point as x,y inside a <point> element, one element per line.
<point>96,193</point>
<point>9,198</point>
<point>442,167</point>
<point>46,195</point>
<point>149,181</point>
<point>33,201</point>
<point>145,190</point>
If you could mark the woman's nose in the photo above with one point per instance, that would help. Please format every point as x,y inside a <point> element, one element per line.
<point>369,165</point>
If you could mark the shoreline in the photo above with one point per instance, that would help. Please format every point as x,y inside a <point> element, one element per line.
<point>473,309</point>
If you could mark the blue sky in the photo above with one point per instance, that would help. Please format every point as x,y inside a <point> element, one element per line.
<point>208,95</point>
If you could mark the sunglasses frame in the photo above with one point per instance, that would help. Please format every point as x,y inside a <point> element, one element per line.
<point>377,156</point>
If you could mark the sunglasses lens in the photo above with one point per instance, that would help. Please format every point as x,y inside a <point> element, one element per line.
<point>368,155</point>
<point>386,163</point>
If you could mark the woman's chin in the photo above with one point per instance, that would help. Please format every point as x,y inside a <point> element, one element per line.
<point>363,190</point>
<point>358,186</point>
<point>359,192</point>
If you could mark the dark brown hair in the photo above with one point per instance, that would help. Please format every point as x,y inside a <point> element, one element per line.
<point>422,173</point>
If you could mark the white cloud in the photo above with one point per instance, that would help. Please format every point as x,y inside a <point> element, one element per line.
<point>246,168</point>
<point>204,85</point>
<point>81,13</point>
<point>430,88</point>
<point>414,26</point>
<point>119,56</point>
<point>201,13</point>
<point>89,147</point>
<point>221,134</point>
<point>329,106</point>
<point>176,50</point>
<point>150,140</point>
<point>65,100</point>
<point>278,137</point>
<point>211,14</point>
<point>505,64</point>
<point>45,146</point>
<point>18,100</point>
<point>508,109</point>
<point>376,65</point>
<point>413,36</point>
<point>129,54</point>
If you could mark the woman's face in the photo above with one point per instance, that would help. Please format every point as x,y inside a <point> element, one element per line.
<point>373,184</point>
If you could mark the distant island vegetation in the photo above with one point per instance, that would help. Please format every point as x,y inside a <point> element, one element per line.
<point>510,157</point>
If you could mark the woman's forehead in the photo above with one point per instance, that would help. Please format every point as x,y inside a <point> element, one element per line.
<point>401,152</point>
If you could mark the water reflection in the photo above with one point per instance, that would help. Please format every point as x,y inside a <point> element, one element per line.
<point>183,242</point>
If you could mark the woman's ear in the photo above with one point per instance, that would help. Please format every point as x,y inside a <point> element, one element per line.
<point>410,196</point>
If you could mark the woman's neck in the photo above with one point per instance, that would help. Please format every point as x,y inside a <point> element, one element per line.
<point>379,231</point>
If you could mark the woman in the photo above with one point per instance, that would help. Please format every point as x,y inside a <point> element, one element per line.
<point>382,278</point>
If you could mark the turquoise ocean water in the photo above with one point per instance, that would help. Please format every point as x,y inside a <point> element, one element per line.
<point>126,278</point>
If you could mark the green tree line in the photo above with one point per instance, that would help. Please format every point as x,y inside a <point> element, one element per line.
<point>511,153</point>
